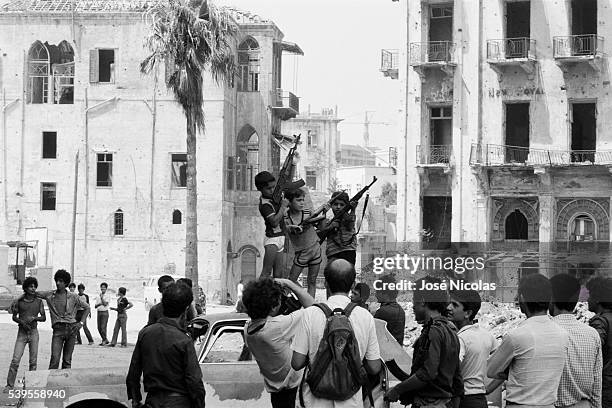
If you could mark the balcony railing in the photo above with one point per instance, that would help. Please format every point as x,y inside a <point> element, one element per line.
<point>588,45</point>
<point>389,63</point>
<point>510,48</point>
<point>502,155</point>
<point>286,103</point>
<point>240,176</point>
<point>434,154</point>
<point>431,52</point>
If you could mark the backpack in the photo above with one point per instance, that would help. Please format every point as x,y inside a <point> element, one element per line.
<point>337,372</point>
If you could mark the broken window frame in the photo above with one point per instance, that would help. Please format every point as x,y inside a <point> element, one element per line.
<point>48,196</point>
<point>587,226</point>
<point>178,170</point>
<point>46,143</point>
<point>94,65</point>
<point>118,229</point>
<point>54,72</point>
<point>104,159</point>
<point>248,65</point>
<point>38,68</point>
<point>310,177</point>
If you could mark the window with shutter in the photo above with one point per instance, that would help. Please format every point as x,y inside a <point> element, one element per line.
<point>94,74</point>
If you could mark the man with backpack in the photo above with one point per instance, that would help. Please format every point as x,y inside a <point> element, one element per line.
<point>336,382</point>
<point>435,380</point>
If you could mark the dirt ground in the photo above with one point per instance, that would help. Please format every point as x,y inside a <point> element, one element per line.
<point>84,355</point>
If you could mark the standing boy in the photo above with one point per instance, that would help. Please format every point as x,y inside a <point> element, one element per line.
<point>63,307</point>
<point>390,311</point>
<point>27,312</point>
<point>101,305</point>
<point>274,241</point>
<point>85,298</point>
<point>435,377</point>
<point>476,344</point>
<point>303,238</point>
<point>123,304</point>
<point>341,239</point>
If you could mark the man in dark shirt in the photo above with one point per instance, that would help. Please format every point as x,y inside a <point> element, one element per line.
<point>84,297</point>
<point>435,378</point>
<point>123,304</point>
<point>390,311</point>
<point>600,302</point>
<point>157,311</point>
<point>27,312</point>
<point>166,358</point>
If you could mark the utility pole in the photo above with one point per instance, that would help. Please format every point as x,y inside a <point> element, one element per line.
<point>74,212</point>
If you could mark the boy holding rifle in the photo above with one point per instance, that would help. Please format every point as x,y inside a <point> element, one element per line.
<point>274,242</point>
<point>303,237</point>
<point>340,232</point>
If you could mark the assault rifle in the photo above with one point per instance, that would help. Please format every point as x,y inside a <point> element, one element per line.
<point>352,204</point>
<point>285,176</point>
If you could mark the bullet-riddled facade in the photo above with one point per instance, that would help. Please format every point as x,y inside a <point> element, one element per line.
<point>506,135</point>
<point>71,86</point>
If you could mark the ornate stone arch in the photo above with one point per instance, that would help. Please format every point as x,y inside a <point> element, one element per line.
<point>503,207</point>
<point>571,208</point>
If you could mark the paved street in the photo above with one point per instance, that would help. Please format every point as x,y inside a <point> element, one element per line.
<point>84,355</point>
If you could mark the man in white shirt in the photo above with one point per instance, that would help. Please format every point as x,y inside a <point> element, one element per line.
<point>339,279</point>
<point>476,344</point>
<point>101,305</point>
<point>532,356</point>
<point>269,334</point>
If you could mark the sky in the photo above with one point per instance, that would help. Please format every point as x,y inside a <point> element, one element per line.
<point>342,42</point>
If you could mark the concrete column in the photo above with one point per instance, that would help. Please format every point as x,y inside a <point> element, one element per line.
<point>546,232</point>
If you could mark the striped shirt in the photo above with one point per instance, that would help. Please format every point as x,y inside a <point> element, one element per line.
<point>581,377</point>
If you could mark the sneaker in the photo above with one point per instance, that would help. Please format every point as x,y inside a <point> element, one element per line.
<point>7,389</point>
<point>123,345</point>
<point>110,345</point>
<point>91,343</point>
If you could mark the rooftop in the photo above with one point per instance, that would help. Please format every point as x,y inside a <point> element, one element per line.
<point>106,6</point>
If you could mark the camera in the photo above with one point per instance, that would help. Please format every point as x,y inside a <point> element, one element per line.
<point>289,302</point>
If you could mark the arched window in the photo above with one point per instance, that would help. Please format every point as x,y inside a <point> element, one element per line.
<point>63,75</point>
<point>516,226</point>
<point>248,65</point>
<point>38,73</point>
<point>248,265</point>
<point>583,229</point>
<point>247,158</point>
<point>177,217</point>
<point>118,224</point>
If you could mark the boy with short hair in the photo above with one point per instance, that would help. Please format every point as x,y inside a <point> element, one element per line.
<point>341,239</point>
<point>123,304</point>
<point>476,344</point>
<point>101,305</point>
<point>303,238</point>
<point>84,297</point>
<point>274,241</point>
<point>27,312</point>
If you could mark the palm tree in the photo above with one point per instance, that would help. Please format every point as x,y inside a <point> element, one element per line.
<point>190,38</point>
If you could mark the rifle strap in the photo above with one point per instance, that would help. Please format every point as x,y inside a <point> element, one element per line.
<point>365,205</point>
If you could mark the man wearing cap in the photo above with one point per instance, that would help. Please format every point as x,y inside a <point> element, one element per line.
<point>532,356</point>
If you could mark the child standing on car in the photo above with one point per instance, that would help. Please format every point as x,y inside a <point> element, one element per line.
<point>123,304</point>
<point>341,238</point>
<point>304,239</point>
<point>274,241</point>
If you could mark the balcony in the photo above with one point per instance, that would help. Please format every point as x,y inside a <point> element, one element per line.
<point>512,52</point>
<point>491,155</point>
<point>389,63</point>
<point>434,155</point>
<point>575,49</point>
<point>240,176</point>
<point>433,54</point>
<point>285,104</point>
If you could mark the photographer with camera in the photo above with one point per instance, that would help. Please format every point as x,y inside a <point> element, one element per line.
<point>269,334</point>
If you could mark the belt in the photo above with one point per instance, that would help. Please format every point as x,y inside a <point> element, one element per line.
<point>167,394</point>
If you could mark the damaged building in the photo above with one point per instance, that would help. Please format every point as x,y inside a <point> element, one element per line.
<point>94,153</point>
<point>507,136</point>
